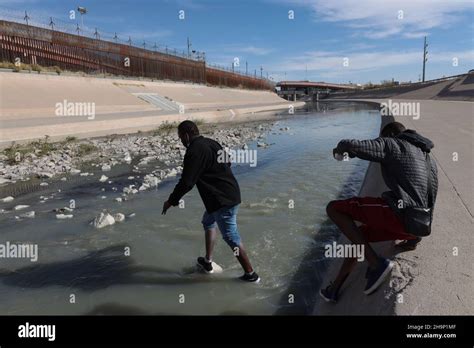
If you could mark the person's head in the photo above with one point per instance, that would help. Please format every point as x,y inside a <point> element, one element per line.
<point>393,129</point>
<point>187,130</point>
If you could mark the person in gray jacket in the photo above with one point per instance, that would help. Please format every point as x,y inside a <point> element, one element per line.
<point>404,213</point>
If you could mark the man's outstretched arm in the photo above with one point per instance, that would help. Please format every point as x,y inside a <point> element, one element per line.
<point>375,150</point>
<point>193,165</point>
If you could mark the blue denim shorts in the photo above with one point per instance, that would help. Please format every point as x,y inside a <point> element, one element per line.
<point>226,219</point>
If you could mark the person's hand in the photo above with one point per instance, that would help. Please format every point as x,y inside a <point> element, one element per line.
<point>334,152</point>
<point>166,206</point>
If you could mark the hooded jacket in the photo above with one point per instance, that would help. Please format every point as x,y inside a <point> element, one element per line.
<point>404,167</point>
<point>216,184</point>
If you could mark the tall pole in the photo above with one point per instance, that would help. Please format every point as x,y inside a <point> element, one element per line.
<point>26,18</point>
<point>51,23</point>
<point>425,58</point>
<point>261,72</point>
<point>246,68</point>
<point>189,46</point>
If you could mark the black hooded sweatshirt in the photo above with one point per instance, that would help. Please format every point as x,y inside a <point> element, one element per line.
<point>216,184</point>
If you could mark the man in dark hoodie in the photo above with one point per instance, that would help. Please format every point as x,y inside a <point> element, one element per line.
<point>411,175</point>
<point>219,191</point>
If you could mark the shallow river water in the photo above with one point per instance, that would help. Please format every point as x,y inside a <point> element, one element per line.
<point>82,270</point>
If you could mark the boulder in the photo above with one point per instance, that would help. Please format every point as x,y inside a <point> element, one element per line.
<point>64,216</point>
<point>29,215</point>
<point>103,220</point>
<point>7,199</point>
<point>119,217</point>
<point>106,168</point>
<point>103,178</point>
<point>21,207</point>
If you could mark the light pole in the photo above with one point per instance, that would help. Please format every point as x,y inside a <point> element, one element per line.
<point>82,11</point>
<point>26,18</point>
<point>189,47</point>
<point>425,58</point>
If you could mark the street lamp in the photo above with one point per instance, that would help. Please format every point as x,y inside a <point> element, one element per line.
<point>82,11</point>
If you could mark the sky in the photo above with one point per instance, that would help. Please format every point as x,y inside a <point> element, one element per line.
<point>338,41</point>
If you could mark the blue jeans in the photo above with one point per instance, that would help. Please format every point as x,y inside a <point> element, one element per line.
<point>226,219</point>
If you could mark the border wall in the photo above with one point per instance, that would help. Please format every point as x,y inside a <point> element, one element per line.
<point>46,47</point>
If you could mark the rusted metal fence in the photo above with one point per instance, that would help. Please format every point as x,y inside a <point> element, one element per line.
<point>47,47</point>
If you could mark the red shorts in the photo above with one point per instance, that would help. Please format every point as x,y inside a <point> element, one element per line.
<point>379,221</point>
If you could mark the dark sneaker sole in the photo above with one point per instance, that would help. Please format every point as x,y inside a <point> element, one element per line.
<point>381,279</point>
<point>327,299</point>
<point>250,281</point>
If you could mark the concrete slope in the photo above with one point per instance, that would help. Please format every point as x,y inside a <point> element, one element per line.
<point>28,105</point>
<point>36,94</point>
<point>458,89</point>
<point>429,92</point>
<point>437,278</point>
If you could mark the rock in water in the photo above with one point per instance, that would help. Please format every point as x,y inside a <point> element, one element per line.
<point>4,181</point>
<point>106,168</point>
<point>29,214</point>
<point>64,216</point>
<point>20,207</point>
<point>103,178</point>
<point>103,220</point>
<point>45,175</point>
<point>119,217</point>
<point>7,199</point>
<point>151,181</point>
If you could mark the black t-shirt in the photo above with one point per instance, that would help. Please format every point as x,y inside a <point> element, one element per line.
<point>214,180</point>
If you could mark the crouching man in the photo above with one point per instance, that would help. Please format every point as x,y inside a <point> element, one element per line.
<point>404,213</point>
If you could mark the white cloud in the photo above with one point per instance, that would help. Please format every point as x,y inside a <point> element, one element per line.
<point>415,35</point>
<point>330,64</point>
<point>380,18</point>
<point>250,49</point>
<point>258,51</point>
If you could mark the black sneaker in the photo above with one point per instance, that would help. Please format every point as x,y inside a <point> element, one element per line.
<point>407,245</point>
<point>328,294</point>
<point>376,277</point>
<point>252,278</point>
<point>206,266</point>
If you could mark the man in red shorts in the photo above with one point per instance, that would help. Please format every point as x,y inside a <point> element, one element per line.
<point>404,158</point>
